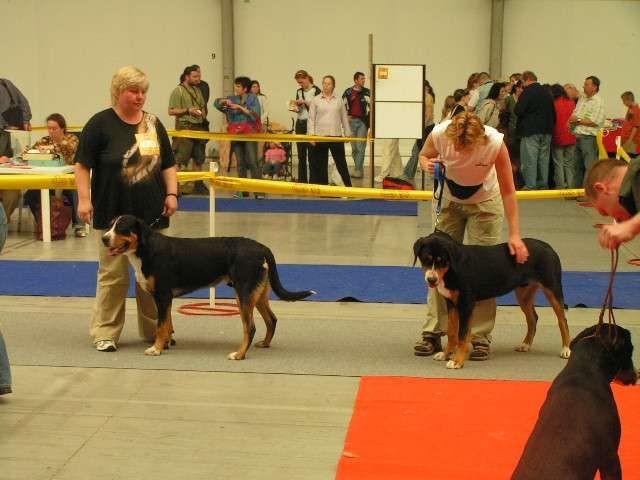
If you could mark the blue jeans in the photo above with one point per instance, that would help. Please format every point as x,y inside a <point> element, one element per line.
<point>358,129</point>
<point>411,167</point>
<point>247,156</point>
<point>586,155</point>
<point>564,166</point>
<point>5,368</point>
<point>534,158</point>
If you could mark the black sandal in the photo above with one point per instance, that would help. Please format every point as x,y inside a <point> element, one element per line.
<point>428,346</point>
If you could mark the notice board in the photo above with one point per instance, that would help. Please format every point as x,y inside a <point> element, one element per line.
<point>398,100</point>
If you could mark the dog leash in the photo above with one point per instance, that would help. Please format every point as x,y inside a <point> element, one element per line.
<point>608,299</point>
<point>153,224</point>
<point>438,179</point>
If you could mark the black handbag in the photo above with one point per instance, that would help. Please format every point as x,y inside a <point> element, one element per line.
<point>13,114</point>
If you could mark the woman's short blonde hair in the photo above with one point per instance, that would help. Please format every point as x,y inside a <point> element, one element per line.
<point>466,130</point>
<point>127,77</point>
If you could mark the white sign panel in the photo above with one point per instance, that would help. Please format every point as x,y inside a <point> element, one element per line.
<point>398,120</point>
<point>398,101</point>
<point>399,83</point>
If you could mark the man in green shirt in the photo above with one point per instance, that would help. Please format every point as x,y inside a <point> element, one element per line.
<point>188,106</point>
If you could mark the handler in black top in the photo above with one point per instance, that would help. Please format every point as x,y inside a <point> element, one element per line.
<point>124,165</point>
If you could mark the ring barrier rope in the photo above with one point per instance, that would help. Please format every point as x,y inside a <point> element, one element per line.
<point>67,181</point>
<point>294,138</point>
<point>70,128</point>
<point>246,137</point>
<point>263,137</point>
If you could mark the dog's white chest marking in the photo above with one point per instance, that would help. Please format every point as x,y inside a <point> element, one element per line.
<point>136,263</point>
<point>442,290</point>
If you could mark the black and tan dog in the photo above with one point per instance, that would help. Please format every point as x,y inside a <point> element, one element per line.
<point>168,267</point>
<point>578,429</point>
<point>464,274</point>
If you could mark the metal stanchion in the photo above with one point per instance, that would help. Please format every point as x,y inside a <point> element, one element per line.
<point>213,168</point>
<point>45,211</point>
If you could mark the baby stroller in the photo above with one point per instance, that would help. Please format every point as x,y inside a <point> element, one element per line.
<point>287,166</point>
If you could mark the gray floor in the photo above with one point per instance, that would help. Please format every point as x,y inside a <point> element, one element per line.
<point>283,412</point>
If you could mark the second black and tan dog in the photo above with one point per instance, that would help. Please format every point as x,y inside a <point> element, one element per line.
<point>168,267</point>
<point>464,274</point>
<point>578,429</point>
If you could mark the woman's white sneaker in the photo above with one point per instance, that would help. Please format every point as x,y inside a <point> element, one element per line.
<point>106,346</point>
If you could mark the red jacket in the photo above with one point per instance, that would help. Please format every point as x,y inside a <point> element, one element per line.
<point>562,136</point>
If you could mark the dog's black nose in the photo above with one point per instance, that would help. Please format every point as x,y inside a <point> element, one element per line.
<point>432,280</point>
<point>105,240</point>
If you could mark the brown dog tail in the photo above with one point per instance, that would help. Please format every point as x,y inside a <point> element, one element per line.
<point>277,287</point>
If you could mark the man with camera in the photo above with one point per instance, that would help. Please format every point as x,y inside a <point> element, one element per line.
<point>188,106</point>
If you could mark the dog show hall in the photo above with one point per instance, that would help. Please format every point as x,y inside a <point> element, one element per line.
<point>282,240</point>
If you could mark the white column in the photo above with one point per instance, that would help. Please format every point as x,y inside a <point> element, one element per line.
<point>228,47</point>
<point>495,48</point>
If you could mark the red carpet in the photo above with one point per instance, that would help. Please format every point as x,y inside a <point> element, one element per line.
<point>415,428</point>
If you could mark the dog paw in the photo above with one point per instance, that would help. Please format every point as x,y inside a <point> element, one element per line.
<point>235,356</point>
<point>262,344</point>
<point>565,352</point>
<point>523,347</point>
<point>453,364</point>
<point>152,351</point>
<point>440,356</point>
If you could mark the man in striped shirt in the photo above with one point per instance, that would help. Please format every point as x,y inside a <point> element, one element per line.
<point>587,119</point>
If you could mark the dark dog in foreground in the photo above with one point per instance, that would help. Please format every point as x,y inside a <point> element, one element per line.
<point>578,429</point>
<point>168,267</point>
<point>464,274</point>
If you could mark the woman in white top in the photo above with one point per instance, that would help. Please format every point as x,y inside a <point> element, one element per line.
<point>477,194</point>
<point>490,111</point>
<point>264,115</point>
<point>264,104</point>
<point>328,117</point>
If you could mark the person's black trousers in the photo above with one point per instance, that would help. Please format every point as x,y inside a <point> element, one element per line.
<point>318,170</point>
<point>304,151</point>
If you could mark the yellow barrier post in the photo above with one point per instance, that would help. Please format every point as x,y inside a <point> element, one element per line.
<point>602,151</point>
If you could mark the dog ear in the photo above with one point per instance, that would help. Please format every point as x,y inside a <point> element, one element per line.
<point>587,332</point>
<point>417,247</point>
<point>623,348</point>
<point>453,250</point>
<point>143,232</point>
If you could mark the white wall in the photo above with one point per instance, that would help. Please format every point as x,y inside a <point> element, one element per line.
<point>70,49</point>
<point>568,40</point>
<point>274,38</point>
